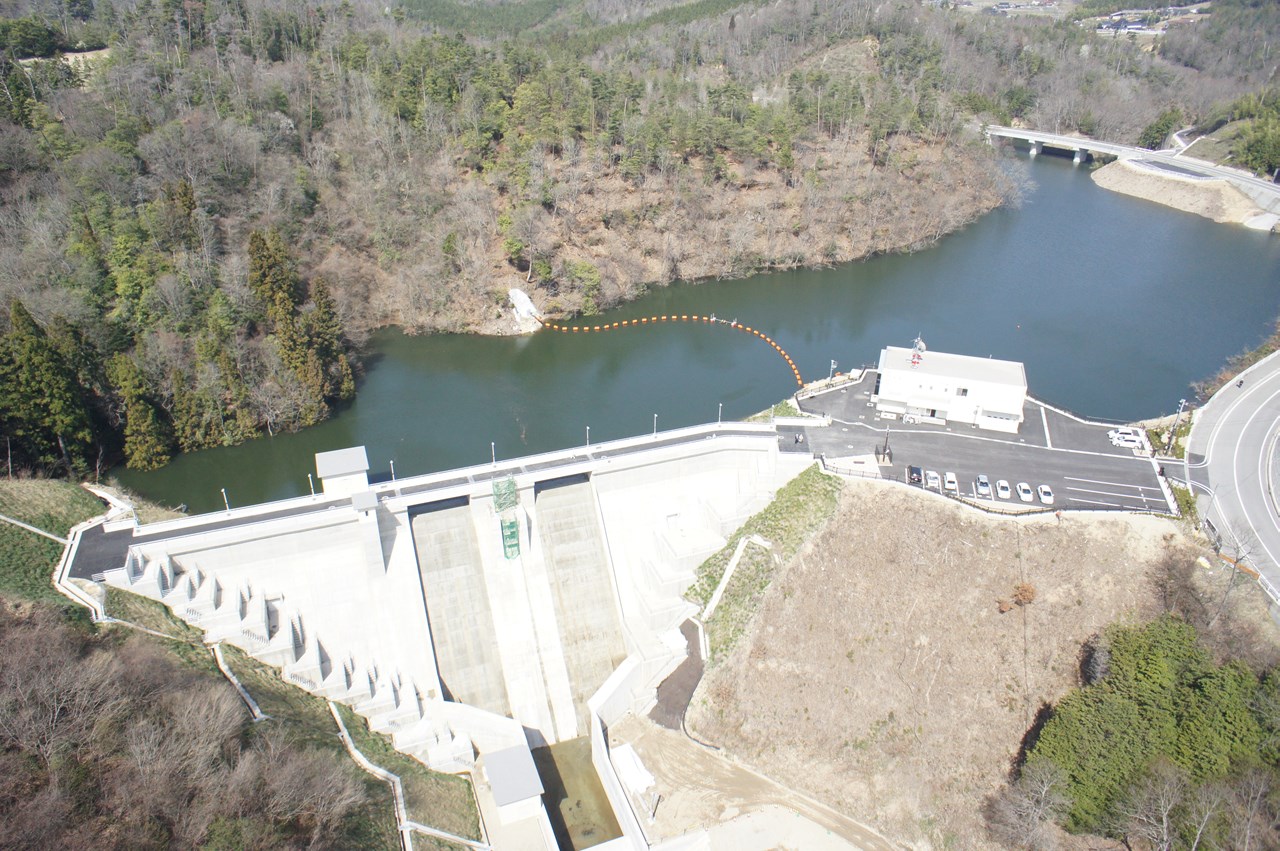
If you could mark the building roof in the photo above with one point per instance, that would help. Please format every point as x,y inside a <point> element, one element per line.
<point>342,462</point>
<point>512,775</point>
<point>955,366</point>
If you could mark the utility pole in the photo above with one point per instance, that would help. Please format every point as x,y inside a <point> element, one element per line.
<point>1173,431</point>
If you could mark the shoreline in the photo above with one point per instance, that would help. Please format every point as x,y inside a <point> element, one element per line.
<point>1213,199</point>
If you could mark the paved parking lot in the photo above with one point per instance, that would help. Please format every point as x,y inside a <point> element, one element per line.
<point>1073,457</point>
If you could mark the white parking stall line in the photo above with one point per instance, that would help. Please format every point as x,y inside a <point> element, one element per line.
<point>1044,418</point>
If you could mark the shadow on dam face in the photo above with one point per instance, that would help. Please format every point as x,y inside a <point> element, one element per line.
<point>576,803</point>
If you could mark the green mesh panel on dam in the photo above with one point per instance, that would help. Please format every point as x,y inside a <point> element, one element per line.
<point>511,538</point>
<point>504,494</point>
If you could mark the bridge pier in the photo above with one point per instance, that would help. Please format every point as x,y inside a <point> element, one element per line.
<point>1036,147</point>
<point>1080,156</point>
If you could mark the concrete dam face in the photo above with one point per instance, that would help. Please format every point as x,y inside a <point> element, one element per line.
<point>472,614</point>
<point>567,598</point>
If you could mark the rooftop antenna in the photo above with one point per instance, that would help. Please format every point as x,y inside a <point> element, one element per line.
<point>917,351</point>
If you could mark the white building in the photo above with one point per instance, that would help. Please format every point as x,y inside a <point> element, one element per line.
<point>935,387</point>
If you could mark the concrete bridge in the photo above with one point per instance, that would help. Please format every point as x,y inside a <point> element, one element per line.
<point>1264,193</point>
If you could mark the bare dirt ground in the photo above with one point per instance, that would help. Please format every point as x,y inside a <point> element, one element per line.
<point>880,675</point>
<point>1213,199</point>
<point>702,789</point>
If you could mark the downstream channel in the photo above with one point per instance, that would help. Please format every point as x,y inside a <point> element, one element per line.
<point>1114,304</point>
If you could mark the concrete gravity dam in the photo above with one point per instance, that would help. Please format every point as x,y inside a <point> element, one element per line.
<point>474,614</point>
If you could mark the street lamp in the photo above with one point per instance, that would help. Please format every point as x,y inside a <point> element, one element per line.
<point>655,426</point>
<point>393,470</point>
<point>493,452</point>
<point>224,499</point>
<point>311,484</point>
<point>588,437</point>
<point>719,412</point>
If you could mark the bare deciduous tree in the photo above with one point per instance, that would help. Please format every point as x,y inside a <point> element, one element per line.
<point>1022,813</point>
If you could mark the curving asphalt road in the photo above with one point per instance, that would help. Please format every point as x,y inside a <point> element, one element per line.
<point>1231,463</point>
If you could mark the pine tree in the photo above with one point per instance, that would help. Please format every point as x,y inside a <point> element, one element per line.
<point>146,440</point>
<point>41,404</point>
<point>271,274</point>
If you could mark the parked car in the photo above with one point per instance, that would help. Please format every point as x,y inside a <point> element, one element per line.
<point>984,487</point>
<point>949,481</point>
<point>933,480</point>
<point>1046,494</point>
<point>1126,441</point>
<point>1124,432</point>
<point>915,475</point>
<point>1002,489</point>
<point>1024,492</point>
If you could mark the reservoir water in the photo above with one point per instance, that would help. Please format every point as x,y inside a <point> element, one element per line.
<point>1114,304</point>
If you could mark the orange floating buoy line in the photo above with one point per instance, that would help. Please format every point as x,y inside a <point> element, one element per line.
<point>683,317</point>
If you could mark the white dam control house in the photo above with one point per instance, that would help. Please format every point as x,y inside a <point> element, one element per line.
<point>935,387</point>
<point>477,613</point>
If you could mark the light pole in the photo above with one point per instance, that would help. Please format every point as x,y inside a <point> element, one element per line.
<point>588,437</point>
<point>311,484</point>
<point>719,412</point>
<point>832,373</point>
<point>225,502</point>
<point>493,452</point>
<point>1182,403</point>
<point>655,426</point>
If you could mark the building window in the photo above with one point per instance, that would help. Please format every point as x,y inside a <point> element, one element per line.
<point>962,391</point>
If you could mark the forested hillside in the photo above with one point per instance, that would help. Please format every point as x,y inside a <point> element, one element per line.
<point>200,223</point>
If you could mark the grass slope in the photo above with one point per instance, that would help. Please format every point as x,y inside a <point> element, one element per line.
<point>799,510</point>
<point>27,560</point>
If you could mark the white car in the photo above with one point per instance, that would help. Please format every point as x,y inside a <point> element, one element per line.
<point>933,480</point>
<point>1046,494</point>
<point>1002,489</point>
<point>1024,491</point>
<point>984,487</point>
<point>949,481</point>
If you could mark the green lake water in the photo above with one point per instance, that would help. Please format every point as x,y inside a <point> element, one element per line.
<point>1114,304</point>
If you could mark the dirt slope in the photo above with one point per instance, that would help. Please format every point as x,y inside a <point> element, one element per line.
<point>881,677</point>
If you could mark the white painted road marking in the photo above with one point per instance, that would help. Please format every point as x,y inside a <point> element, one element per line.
<point>1140,496</point>
<point>1099,502</point>
<point>1113,484</point>
<point>1044,418</point>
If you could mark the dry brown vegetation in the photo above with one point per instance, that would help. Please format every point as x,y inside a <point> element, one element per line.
<point>112,744</point>
<point>675,224</point>
<point>880,675</point>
